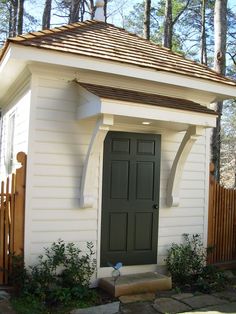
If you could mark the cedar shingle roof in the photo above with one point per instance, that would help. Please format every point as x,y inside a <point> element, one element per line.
<point>104,41</point>
<point>145,98</point>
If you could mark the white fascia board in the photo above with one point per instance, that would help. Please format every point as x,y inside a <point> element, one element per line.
<point>149,112</point>
<point>118,68</point>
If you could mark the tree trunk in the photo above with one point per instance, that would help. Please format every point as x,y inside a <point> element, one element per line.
<point>220,25</point>
<point>74,11</point>
<point>82,10</point>
<point>147,15</point>
<point>10,32</point>
<point>46,21</point>
<point>203,34</point>
<point>20,16</point>
<point>168,25</point>
<point>234,171</point>
<point>105,10</point>
<point>92,9</point>
<point>14,17</point>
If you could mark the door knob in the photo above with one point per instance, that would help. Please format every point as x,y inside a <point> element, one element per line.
<point>155,206</point>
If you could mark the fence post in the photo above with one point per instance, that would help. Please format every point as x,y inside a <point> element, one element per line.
<point>19,210</point>
<point>210,240</point>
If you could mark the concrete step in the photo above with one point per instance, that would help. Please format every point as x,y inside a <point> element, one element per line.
<point>135,284</point>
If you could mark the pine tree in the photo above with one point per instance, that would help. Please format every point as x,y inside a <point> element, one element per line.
<point>220,25</point>
<point>46,21</point>
<point>147,18</point>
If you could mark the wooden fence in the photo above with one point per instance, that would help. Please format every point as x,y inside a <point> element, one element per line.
<point>12,213</point>
<point>221,223</point>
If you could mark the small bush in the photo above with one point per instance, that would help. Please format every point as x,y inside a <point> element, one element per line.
<point>187,264</point>
<point>61,276</point>
<point>211,279</point>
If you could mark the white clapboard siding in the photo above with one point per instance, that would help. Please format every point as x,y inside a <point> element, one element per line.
<point>57,155</point>
<point>60,144</point>
<point>186,193</point>
<point>60,169</point>
<point>57,225</point>
<point>48,214</point>
<point>61,137</point>
<point>43,205</point>
<point>181,212</point>
<point>69,235</point>
<point>181,221</point>
<point>178,231</point>
<point>190,215</point>
<point>52,181</point>
<point>37,247</point>
<point>187,184</point>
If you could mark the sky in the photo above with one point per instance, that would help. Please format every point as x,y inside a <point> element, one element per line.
<point>118,9</point>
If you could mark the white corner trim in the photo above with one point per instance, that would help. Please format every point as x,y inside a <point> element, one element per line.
<point>101,128</point>
<point>173,183</point>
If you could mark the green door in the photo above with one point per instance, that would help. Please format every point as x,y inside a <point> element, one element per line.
<point>130,198</point>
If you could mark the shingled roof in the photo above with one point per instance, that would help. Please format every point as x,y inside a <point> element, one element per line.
<point>108,92</point>
<point>104,41</point>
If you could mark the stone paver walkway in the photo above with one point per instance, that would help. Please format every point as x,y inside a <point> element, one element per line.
<point>171,303</point>
<point>5,307</point>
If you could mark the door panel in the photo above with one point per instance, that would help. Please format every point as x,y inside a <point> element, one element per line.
<point>145,147</point>
<point>144,180</point>
<point>131,177</point>
<point>118,225</point>
<point>143,231</point>
<point>119,179</point>
<point>120,145</point>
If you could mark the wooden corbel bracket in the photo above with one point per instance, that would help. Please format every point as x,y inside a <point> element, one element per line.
<point>101,128</point>
<point>173,184</point>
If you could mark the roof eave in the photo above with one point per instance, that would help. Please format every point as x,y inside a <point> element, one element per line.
<point>23,55</point>
<point>10,68</point>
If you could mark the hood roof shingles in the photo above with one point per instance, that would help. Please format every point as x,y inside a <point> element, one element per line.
<point>105,41</point>
<point>145,98</point>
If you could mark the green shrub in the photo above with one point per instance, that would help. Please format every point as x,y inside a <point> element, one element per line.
<point>186,259</point>
<point>211,279</point>
<point>187,263</point>
<point>61,276</point>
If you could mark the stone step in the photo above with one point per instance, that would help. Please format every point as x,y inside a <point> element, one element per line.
<point>135,284</point>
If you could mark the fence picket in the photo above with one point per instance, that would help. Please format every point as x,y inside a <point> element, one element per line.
<point>221,223</point>
<point>6,231</point>
<point>2,234</point>
<point>12,209</point>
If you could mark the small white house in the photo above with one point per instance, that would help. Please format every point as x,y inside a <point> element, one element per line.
<point>117,134</point>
